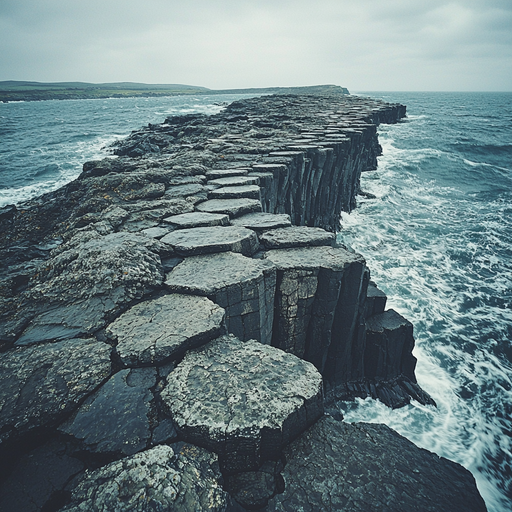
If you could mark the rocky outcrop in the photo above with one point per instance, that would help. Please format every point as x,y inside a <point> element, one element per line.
<point>195,292</point>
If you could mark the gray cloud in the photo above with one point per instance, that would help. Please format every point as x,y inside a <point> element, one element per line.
<point>364,45</point>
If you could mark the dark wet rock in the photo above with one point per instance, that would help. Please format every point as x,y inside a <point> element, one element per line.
<point>198,219</point>
<point>361,467</point>
<point>318,297</point>
<point>262,221</point>
<point>39,478</point>
<point>154,331</point>
<point>389,345</point>
<point>296,236</point>
<point>243,400</point>
<point>244,287</point>
<point>205,240</point>
<point>250,191</point>
<point>117,418</point>
<point>375,300</point>
<point>178,478</point>
<point>40,385</point>
<point>232,207</point>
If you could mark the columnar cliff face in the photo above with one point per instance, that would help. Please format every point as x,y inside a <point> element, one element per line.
<point>177,320</point>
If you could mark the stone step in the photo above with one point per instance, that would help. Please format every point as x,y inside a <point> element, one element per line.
<point>243,400</point>
<point>261,221</point>
<point>249,191</point>
<point>244,287</point>
<point>225,173</point>
<point>296,236</point>
<point>198,219</point>
<point>234,181</point>
<point>232,207</point>
<point>207,240</point>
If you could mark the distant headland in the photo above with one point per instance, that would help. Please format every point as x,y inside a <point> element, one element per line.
<point>13,90</point>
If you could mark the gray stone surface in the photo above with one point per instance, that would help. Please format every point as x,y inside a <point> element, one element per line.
<point>243,400</point>
<point>214,174</point>
<point>177,478</point>
<point>262,221</point>
<point>89,279</point>
<point>375,300</point>
<point>318,296</point>
<point>156,330</point>
<point>198,219</point>
<point>365,467</point>
<point>235,181</point>
<point>296,236</point>
<point>117,418</point>
<point>155,232</point>
<point>232,207</point>
<point>251,191</point>
<point>193,241</point>
<point>42,384</point>
<point>244,287</point>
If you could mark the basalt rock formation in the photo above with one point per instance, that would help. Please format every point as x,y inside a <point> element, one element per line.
<point>176,321</point>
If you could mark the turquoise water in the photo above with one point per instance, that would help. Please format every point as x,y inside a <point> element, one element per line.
<point>437,239</point>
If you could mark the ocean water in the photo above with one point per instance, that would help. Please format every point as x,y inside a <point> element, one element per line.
<point>437,238</point>
<point>43,145</point>
<point>438,241</point>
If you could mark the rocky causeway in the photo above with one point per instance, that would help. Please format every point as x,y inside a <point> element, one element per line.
<point>178,323</point>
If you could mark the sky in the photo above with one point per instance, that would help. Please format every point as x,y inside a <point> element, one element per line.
<point>364,45</point>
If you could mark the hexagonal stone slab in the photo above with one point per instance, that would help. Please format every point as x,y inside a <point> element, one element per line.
<point>251,191</point>
<point>225,173</point>
<point>243,400</point>
<point>193,241</point>
<point>41,384</point>
<point>296,236</point>
<point>198,219</point>
<point>178,478</point>
<point>262,221</point>
<point>235,181</point>
<point>157,330</point>
<point>244,287</point>
<point>232,207</point>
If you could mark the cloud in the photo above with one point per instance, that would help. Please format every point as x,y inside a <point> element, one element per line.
<point>364,45</point>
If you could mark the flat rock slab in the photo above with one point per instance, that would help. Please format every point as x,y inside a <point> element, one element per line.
<point>155,331</point>
<point>177,478</point>
<point>235,181</point>
<point>262,221</point>
<point>225,173</point>
<point>243,400</point>
<point>194,241</point>
<point>360,467</point>
<point>116,419</point>
<point>244,287</point>
<point>232,207</point>
<point>296,236</point>
<point>251,191</point>
<point>198,219</point>
<point>40,385</point>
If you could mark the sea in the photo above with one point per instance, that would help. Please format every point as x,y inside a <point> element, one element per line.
<point>436,235</point>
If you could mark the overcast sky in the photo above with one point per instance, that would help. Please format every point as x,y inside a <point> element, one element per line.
<point>365,45</point>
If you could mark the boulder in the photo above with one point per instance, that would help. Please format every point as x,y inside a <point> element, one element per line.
<point>243,400</point>
<point>157,330</point>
